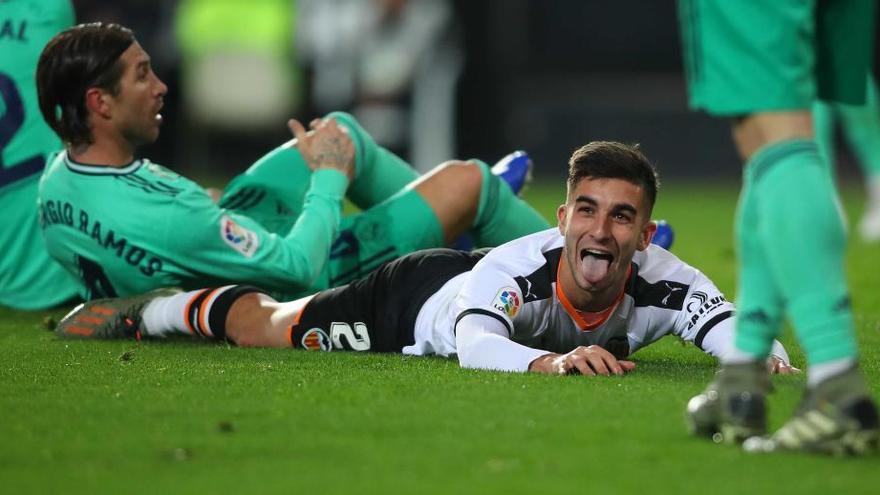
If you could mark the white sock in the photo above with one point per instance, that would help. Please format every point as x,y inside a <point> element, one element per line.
<point>167,315</point>
<point>821,372</point>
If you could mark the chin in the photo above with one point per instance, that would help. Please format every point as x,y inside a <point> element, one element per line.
<point>151,137</point>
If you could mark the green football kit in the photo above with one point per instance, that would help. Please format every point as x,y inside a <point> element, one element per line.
<point>128,230</point>
<point>750,57</point>
<point>29,278</point>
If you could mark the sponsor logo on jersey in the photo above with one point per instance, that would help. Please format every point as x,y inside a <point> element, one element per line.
<point>700,305</point>
<point>507,301</point>
<point>316,340</point>
<point>696,300</point>
<point>238,238</point>
<point>672,290</point>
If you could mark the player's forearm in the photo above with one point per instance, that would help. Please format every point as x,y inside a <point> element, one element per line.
<point>482,347</point>
<point>717,341</point>
<point>308,242</point>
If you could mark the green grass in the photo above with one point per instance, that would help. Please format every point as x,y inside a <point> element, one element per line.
<point>125,417</point>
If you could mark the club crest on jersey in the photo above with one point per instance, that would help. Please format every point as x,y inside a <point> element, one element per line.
<point>507,301</point>
<point>238,238</point>
<point>316,340</point>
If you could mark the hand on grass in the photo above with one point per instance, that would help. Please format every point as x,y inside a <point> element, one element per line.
<point>776,366</point>
<point>590,361</point>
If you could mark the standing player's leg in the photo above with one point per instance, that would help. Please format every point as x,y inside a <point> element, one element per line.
<point>795,195</point>
<point>734,404</point>
<point>861,127</point>
<point>789,192</point>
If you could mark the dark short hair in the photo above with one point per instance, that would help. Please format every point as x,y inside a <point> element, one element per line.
<point>612,160</point>
<point>76,59</point>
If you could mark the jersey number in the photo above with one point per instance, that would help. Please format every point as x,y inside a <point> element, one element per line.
<point>356,339</point>
<point>10,123</point>
<point>97,284</point>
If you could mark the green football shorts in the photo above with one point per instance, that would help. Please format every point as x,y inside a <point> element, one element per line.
<point>747,56</point>
<point>272,195</point>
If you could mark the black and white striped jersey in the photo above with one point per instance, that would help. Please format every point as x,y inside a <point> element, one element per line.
<point>508,310</point>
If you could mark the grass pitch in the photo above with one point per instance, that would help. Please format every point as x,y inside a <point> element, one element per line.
<point>186,417</point>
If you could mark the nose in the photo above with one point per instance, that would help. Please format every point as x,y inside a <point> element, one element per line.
<point>600,229</point>
<point>161,87</point>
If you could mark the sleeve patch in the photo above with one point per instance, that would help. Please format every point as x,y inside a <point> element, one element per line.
<point>507,301</point>
<point>699,305</point>
<point>238,238</point>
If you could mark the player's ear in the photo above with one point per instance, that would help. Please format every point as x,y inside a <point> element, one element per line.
<point>97,102</point>
<point>647,234</point>
<point>561,216</point>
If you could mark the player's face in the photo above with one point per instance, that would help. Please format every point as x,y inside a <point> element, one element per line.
<point>140,98</point>
<point>604,221</point>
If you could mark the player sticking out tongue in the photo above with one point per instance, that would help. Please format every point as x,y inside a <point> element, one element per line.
<point>594,264</point>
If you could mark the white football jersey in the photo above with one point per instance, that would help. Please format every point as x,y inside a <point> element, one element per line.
<point>511,297</point>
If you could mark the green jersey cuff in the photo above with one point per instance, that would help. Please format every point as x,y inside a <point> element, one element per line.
<point>329,182</point>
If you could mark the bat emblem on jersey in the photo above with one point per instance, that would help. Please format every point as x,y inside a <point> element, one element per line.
<point>316,340</point>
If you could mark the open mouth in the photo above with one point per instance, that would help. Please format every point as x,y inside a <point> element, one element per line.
<point>600,255</point>
<point>595,264</point>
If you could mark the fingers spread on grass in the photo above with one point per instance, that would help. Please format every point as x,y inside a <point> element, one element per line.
<point>580,364</point>
<point>597,362</point>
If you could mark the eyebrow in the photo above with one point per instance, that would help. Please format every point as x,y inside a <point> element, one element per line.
<point>145,62</point>
<point>619,207</point>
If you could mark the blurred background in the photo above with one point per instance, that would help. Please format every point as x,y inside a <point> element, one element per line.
<point>430,79</point>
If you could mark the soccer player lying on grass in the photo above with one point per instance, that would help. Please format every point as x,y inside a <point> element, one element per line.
<point>579,298</point>
<point>125,226</point>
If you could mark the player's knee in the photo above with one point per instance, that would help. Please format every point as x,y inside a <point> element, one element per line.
<point>346,120</point>
<point>249,321</point>
<point>464,178</point>
<point>758,130</point>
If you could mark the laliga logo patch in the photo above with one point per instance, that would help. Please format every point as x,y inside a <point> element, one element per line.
<point>316,340</point>
<point>237,237</point>
<point>507,301</point>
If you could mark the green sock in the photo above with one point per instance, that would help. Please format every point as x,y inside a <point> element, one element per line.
<point>379,173</point>
<point>861,126</point>
<point>758,301</point>
<point>501,215</point>
<point>801,235</point>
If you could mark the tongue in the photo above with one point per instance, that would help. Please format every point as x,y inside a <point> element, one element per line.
<point>594,269</point>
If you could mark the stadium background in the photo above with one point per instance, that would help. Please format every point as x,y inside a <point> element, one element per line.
<point>540,75</point>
